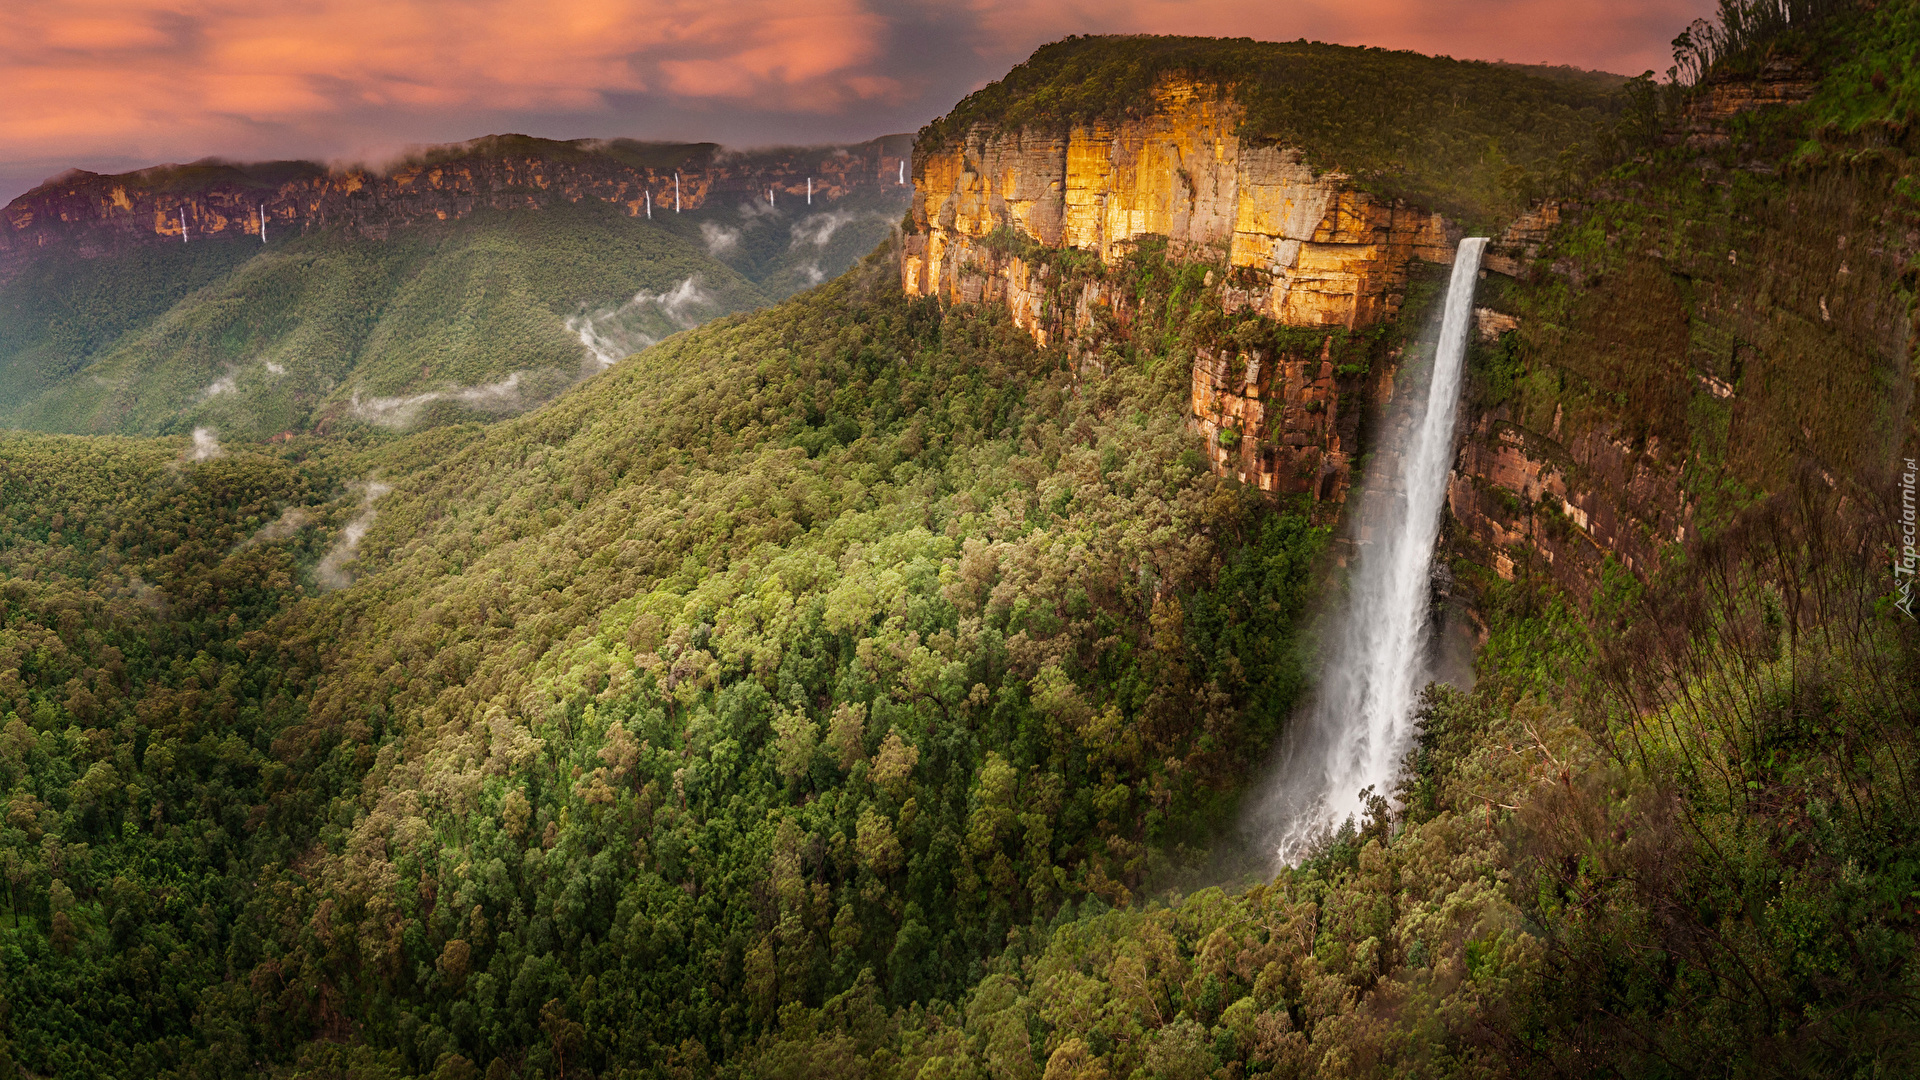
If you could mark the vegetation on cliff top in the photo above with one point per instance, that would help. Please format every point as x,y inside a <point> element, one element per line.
<point>1472,139</point>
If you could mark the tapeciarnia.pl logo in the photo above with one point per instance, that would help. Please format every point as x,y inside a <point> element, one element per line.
<point>1904,558</point>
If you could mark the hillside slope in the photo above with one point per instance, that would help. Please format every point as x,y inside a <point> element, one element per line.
<point>819,572</point>
<point>421,307</point>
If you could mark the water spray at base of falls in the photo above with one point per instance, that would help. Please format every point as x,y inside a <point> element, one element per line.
<point>1358,728</point>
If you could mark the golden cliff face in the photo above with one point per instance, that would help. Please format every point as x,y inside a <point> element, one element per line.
<point>1321,252</point>
<point>1304,250</point>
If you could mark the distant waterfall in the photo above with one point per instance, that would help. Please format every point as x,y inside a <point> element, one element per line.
<point>1360,724</point>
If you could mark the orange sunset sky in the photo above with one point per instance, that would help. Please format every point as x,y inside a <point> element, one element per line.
<point>117,85</point>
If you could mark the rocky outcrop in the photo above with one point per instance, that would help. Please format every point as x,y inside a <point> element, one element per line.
<point>1305,249</point>
<point>1275,422</point>
<point>1707,121</point>
<point>1313,250</point>
<point>1571,503</point>
<point>1518,245</point>
<point>95,214</point>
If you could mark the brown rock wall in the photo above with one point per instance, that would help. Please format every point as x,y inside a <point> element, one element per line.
<point>1275,422</point>
<point>1514,491</point>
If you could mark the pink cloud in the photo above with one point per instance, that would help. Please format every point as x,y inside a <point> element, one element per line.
<point>101,78</point>
<point>156,80</point>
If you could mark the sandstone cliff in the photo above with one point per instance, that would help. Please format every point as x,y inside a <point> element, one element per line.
<point>1304,249</point>
<point>1319,251</point>
<point>1672,356</point>
<point>95,214</point>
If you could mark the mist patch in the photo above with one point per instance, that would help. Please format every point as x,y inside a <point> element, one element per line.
<point>399,413</point>
<point>613,334</point>
<point>719,238</point>
<point>818,229</point>
<point>331,571</point>
<point>206,446</point>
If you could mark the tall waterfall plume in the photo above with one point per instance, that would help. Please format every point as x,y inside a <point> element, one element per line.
<point>1360,724</point>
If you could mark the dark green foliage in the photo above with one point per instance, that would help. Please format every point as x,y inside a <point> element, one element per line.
<point>59,313</point>
<point>1742,34</point>
<point>142,793</point>
<point>1871,92</point>
<point>823,692</point>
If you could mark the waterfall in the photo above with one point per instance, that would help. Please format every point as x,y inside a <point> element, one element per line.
<point>809,191</point>
<point>1360,724</point>
<point>183,226</point>
<point>263,223</point>
<point>676,191</point>
<point>649,206</point>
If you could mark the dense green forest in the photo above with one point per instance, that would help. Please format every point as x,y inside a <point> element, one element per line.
<point>872,594</point>
<point>461,320</point>
<point>850,688</point>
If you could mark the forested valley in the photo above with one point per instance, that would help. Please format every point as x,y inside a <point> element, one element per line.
<point>855,688</point>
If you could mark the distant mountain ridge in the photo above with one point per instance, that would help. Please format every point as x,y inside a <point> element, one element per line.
<point>93,214</point>
<point>466,281</point>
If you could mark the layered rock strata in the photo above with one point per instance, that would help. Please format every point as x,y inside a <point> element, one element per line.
<point>1320,252</point>
<point>1302,248</point>
<point>1572,503</point>
<point>1275,422</point>
<point>96,214</point>
<point>1707,122</point>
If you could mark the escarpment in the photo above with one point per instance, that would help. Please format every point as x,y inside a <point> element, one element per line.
<point>96,214</point>
<point>1701,328</point>
<point>1308,250</point>
<point>1704,330</point>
